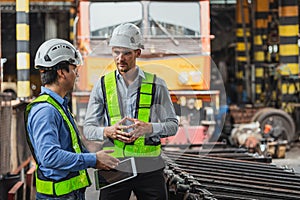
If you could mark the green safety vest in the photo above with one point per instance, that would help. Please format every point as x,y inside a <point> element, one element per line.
<point>58,188</point>
<point>139,148</point>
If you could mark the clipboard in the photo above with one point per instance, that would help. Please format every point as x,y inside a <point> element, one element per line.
<point>124,171</point>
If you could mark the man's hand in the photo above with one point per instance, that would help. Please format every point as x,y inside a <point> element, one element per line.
<point>105,161</point>
<point>117,131</point>
<point>140,128</point>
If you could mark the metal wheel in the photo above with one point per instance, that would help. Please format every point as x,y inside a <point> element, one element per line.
<point>282,123</point>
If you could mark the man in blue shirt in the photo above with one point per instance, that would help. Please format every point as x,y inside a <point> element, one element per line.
<point>52,133</point>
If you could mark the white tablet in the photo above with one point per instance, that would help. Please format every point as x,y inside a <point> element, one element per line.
<point>124,171</point>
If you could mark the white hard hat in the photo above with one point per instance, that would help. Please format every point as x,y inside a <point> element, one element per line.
<point>54,51</point>
<point>127,35</point>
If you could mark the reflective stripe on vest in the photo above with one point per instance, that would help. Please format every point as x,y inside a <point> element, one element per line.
<point>66,186</point>
<point>138,149</point>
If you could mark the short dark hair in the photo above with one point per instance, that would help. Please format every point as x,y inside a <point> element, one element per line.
<point>50,76</point>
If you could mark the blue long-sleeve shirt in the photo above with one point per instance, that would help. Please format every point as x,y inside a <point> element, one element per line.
<point>51,140</point>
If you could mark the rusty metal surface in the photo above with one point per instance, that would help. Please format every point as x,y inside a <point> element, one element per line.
<point>219,149</point>
<point>5,129</point>
<point>22,149</point>
<point>243,115</point>
<point>235,179</point>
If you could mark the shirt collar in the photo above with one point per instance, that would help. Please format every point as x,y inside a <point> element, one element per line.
<point>54,95</point>
<point>140,73</point>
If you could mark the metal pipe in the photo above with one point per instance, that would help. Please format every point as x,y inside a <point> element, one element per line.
<point>232,178</point>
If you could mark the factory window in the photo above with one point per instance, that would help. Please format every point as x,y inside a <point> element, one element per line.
<point>222,1</point>
<point>105,16</point>
<point>174,18</point>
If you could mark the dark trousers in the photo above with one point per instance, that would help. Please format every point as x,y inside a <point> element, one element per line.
<point>146,186</point>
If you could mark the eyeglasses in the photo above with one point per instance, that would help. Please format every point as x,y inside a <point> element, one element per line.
<point>75,71</point>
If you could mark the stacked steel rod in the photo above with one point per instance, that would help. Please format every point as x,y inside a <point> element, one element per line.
<point>224,178</point>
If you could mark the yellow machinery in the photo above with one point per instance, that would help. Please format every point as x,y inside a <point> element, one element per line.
<point>267,57</point>
<point>177,47</point>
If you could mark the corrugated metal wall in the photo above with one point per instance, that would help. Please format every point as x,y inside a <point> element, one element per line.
<point>5,130</point>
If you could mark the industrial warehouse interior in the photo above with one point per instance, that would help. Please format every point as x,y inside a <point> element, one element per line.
<point>231,68</point>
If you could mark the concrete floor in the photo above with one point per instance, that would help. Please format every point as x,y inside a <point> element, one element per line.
<point>291,160</point>
<point>92,193</point>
